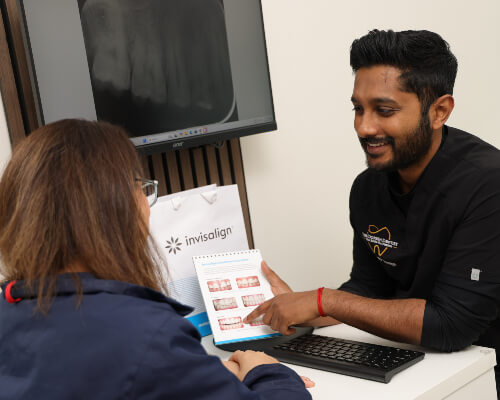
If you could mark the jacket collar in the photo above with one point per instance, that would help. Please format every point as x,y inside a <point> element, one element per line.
<point>65,286</point>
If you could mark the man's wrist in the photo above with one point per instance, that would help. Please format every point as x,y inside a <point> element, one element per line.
<point>319,301</point>
<point>327,299</point>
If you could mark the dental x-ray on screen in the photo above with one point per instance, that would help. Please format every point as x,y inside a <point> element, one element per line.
<point>174,73</point>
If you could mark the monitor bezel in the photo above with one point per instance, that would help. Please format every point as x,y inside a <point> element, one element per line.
<point>171,144</point>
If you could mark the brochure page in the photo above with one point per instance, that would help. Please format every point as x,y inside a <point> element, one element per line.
<point>232,285</point>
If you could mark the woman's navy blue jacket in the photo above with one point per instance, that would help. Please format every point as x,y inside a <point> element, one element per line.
<point>123,342</point>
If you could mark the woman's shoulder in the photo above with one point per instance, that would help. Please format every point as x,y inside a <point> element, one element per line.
<point>116,312</point>
<point>131,306</point>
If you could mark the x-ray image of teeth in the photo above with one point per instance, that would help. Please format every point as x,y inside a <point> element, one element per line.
<point>225,304</point>
<point>158,65</point>
<point>253,300</point>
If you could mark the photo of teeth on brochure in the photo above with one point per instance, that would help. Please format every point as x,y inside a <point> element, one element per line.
<point>232,285</point>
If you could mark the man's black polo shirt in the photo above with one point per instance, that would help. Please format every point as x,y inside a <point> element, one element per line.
<point>440,243</point>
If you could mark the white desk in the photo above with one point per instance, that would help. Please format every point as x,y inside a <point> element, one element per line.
<point>463,375</point>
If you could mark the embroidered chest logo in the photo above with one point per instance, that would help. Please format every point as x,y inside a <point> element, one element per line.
<point>379,239</point>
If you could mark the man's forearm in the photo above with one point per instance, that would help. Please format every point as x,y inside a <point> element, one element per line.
<point>400,320</point>
<point>321,322</point>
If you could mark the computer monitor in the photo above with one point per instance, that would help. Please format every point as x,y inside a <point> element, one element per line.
<point>173,73</point>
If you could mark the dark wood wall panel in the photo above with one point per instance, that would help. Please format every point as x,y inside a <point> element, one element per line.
<point>20,63</point>
<point>8,89</point>
<point>239,179</point>
<point>225,169</point>
<point>186,170</point>
<point>145,167</point>
<point>200,171</point>
<point>175,171</point>
<point>211,162</point>
<point>159,173</point>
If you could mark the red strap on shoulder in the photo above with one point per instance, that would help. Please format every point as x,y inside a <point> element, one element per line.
<point>8,295</point>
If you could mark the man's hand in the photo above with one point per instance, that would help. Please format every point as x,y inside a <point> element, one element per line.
<point>400,320</point>
<point>278,286</point>
<point>287,309</point>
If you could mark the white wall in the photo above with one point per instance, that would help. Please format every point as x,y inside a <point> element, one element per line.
<point>5,147</point>
<point>303,229</point>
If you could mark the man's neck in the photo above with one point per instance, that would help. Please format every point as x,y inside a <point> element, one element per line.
<point>409,176</point>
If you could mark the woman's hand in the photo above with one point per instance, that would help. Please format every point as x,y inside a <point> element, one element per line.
<point>247,360</point>
<point>234,366</point>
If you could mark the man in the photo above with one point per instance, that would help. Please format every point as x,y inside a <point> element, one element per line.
<point>425,214</point>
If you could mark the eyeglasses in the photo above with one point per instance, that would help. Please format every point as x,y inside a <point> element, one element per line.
<point>150,189</point>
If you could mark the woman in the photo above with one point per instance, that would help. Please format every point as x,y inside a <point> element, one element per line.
<point>82,313</point>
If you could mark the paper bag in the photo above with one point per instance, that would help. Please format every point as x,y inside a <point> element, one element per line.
<point>195,223</point>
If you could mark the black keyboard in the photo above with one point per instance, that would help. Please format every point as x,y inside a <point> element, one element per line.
<point>363,360</point>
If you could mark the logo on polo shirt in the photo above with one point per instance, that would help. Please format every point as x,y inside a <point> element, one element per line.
<point>379,239</point>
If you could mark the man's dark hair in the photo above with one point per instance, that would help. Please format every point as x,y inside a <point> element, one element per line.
<point>428,66</point>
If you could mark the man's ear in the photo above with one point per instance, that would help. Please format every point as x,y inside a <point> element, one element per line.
<point>440,111</point>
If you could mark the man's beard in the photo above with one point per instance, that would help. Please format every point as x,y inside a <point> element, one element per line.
<point>410,148</point>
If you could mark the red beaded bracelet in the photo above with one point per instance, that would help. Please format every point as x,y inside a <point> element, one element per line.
<point>320,307</point>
